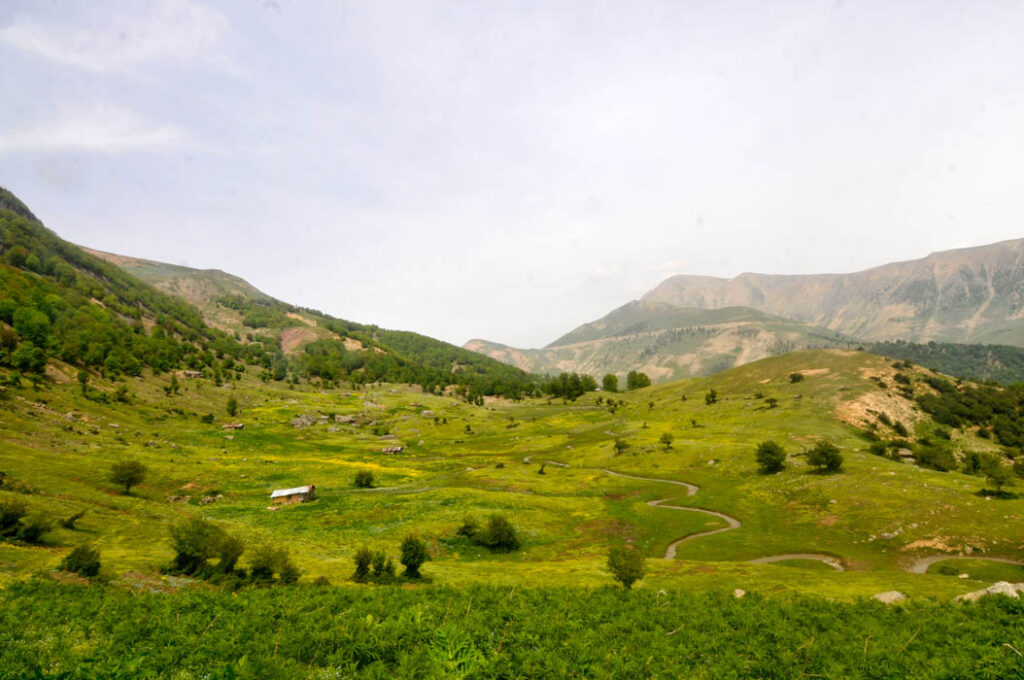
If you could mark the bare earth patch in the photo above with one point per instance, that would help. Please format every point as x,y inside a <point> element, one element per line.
<point>858,412</point>
<point>294,339</point>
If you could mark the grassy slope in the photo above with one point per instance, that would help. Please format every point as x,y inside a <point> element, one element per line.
<point>568,516</point>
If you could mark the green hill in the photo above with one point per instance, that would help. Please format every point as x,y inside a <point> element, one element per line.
<point>58,300</point>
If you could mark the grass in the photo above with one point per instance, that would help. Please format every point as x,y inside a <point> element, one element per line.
<point>877,515</point>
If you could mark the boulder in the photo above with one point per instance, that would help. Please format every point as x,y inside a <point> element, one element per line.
<point>1000,588</point>
<point>889,597</point>
<point>738,593</point>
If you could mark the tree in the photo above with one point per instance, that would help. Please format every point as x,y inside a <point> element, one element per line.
<point>825,456</point>
<point>772,402</point>
<point>414,554</point>
<point>620,446</point>
<point>711,397</point>
<point>796,377</point>
<point>999,475</point>
<point>232,406</point>
<point>83,380</point>
<point>11,512</point>
<point>610,383</point>
<point>229,549</point>
<point>626,565</point>
<point>666,440</point>
<point>268,561</point>
<point>771,457</point>
<point>33,527</point>
<point>127,473</point>
<point>635,380</point>
<point>364,479</point>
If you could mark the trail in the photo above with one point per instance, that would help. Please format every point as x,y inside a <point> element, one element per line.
<point>830,560</point>
<point>691,489</point>
<point>921,565</point>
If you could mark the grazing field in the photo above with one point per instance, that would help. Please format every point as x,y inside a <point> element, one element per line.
<point>544,464</point>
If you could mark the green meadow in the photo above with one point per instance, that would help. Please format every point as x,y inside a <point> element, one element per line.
<point>540,462</point>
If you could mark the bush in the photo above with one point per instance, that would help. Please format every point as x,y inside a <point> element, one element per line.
<point>11,512</point>
<point>206,419</point>
<point>83,560</point>
<point>771,457</point>
<point>470,527</point>
<point>364,560</point>
<point>267,562</point>
<point>33,527</point>
<point>934,457</point>
<point>499,535</point>
<point>195,542</point>
<point>414,554</point>
<point>383,567</point>
<point>626,565</point>
<point>796,377</point>
<point>825,456</point>
<point>364,479</point>
<point>711,397</point>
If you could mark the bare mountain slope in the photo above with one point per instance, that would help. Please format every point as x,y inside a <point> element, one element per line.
<point>967,295</point>
<point>666,342</point>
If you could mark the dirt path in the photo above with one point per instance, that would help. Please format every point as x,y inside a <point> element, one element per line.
<point>921,565</point>
<point>691,489</point>
<point>830,560</point>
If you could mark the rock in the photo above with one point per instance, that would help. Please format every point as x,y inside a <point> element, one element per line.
<point>738,593</point>
<point>1000,588</point>
<point>304,420</point>
<point>427,413</point>
<point>889,597</point>
<point>348,420</point>
<point>70,416</point>
<point>332,429</point>
<point>963,576</point>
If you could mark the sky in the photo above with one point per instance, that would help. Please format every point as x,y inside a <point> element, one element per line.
<point>510,170</point>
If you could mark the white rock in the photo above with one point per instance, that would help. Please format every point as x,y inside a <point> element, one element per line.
<point>889,597</point>
<point>738,593</point>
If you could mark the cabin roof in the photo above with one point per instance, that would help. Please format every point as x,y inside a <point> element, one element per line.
<point>291,492</point>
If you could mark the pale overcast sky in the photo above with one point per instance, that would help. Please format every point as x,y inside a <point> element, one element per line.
<point>511,170</point>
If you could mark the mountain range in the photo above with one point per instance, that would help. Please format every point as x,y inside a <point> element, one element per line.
<point>697,325</point>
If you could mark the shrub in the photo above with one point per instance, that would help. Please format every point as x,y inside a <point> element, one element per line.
<point>33,527</point>
<point>383,567</point>
<point>470,527</point>
<point>796,377</point>
<point>826,456</point>
<point>232,407</point>
<point>83,560</point>
<point>195,542</point>
<point>499,535</point>
<point>620,446</point>
<point>364,479</point>
<point>626,565</point>
<point>364,560</point>
<point>207,418</point>
<point>711,397</point>
<point>999,475</point>
<point>771,457</point>
<point>414,554</point>
<point>11,512</point>
<point>666,440</point>
<point>934,457</point>
<point>900,429</point>
<point>267,562</point>
<point>69,523</point>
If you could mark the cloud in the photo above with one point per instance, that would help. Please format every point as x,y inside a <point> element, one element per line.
<point>172,31</point>
<point>96,127</point>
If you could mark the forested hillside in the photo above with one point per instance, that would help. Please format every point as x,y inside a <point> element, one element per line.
<point>59,301</point>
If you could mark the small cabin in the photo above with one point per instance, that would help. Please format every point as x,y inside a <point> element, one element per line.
<point>299,494</point>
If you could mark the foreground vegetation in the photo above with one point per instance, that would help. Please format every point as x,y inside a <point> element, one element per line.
<point>54,631</point>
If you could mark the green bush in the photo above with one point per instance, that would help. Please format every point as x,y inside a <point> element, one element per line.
<point>771,457</point>
<point>826,457</point>
<point>499,535</point>
<point>364,479</point>
<point>934,457</point>
<point>11,512</point>
<point>414,554</point>
<point>83,560</point>
<point>626,565</point>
